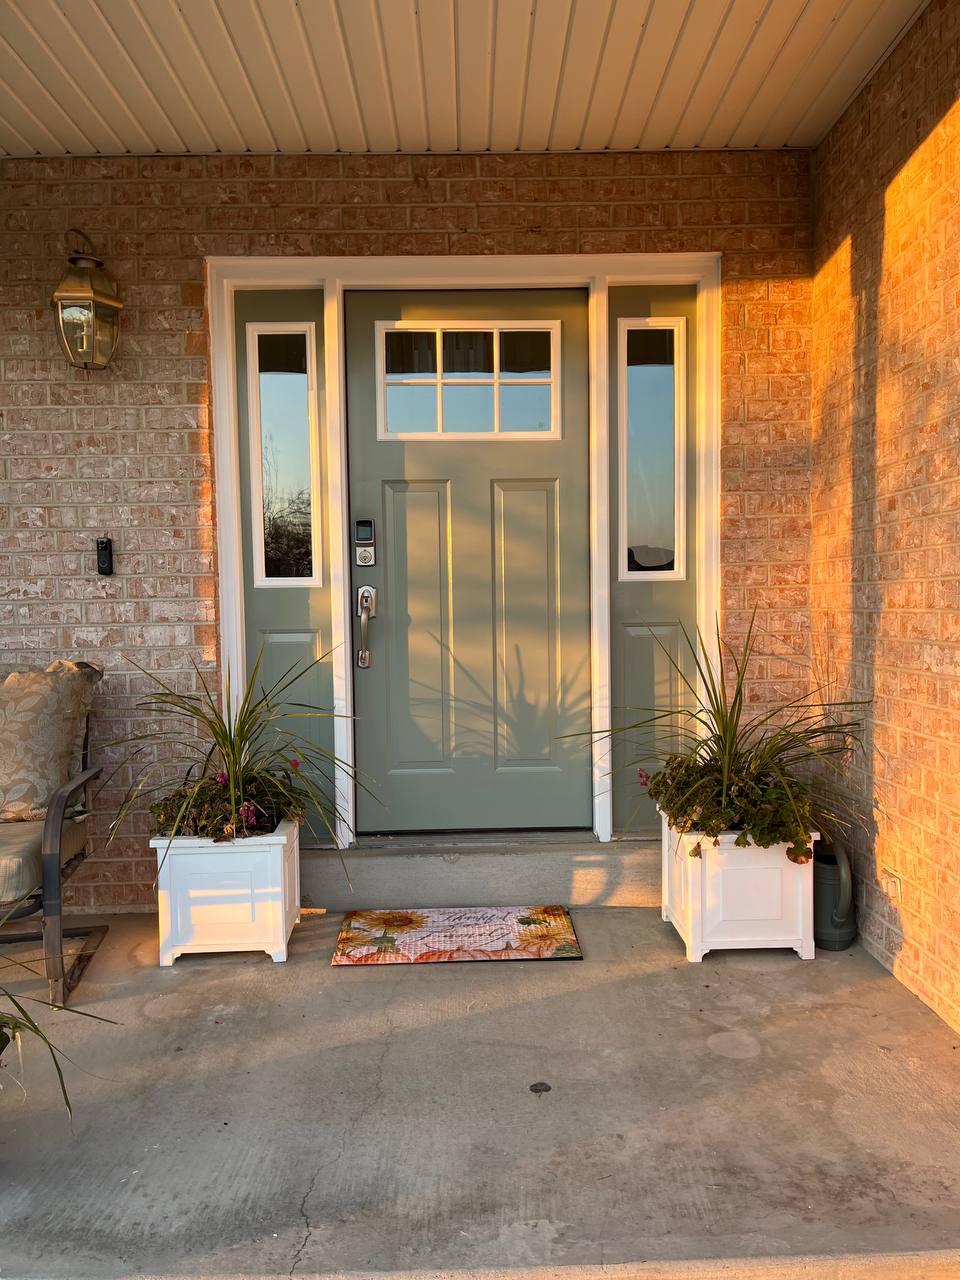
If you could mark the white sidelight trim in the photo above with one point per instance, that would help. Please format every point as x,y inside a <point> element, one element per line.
<point>338,532</point>
<point>679,571</point>
<point>226,469</point>
<point>255,433</point>
<point>709,314</point>
<point>595,273</point>
<point>598,344</point>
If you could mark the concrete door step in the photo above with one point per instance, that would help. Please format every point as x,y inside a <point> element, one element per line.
<point>477,871</point>
<point>941,1265</point>
<point>887,1266</point>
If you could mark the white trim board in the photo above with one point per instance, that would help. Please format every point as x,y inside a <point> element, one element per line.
<point>596,273</point>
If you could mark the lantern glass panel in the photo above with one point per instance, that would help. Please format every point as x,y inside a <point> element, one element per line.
<point>106,332</point>
<point>77,321</point>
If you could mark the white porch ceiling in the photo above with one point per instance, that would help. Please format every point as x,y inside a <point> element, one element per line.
<point>89,77</point>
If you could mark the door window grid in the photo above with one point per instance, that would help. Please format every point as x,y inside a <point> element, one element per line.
<point>675,423</point>
<point>438,387</point>
<point>265,560</point>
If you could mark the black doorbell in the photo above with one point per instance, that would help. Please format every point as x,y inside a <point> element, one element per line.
<point>105,556</point>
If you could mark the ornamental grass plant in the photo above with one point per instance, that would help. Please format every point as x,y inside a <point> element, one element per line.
<point>17,1023</point>
<point>244,768</point>
<point>773,775</point>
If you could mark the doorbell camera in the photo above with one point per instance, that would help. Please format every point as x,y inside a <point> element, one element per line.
<point>105,556</point>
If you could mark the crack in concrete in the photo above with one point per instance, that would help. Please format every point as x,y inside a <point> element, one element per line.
<point>353,1123</point>
<point>308,1227</point>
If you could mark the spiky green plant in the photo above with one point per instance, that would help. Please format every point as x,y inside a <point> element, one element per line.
<point>245,767</point>
<point>16,1021</point>
<point>771,776</point>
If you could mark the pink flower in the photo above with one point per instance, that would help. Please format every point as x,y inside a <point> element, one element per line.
<point>247,814</point>
<point>294,762</point>
<point>221,777</point>
<point>643,777</point>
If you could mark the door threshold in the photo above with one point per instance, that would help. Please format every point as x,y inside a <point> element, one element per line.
<point>470,838</point>
<point>518,839</point>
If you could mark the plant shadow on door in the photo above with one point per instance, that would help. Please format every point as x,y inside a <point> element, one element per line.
<point>519,727</point>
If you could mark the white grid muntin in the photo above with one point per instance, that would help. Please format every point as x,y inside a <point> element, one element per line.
<point>496,327</point>
<point>679,571</point>
<point>254,432</point>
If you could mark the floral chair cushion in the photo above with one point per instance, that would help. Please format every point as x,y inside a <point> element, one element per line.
<point>43,718</point>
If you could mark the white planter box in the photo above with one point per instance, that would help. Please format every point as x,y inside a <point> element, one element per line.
<point>237,895</point>
<point>730,897</point>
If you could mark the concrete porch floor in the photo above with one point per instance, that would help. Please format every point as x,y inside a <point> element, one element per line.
<point>247,1119</point>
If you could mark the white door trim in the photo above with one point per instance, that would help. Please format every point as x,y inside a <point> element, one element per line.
<point>596,273</point>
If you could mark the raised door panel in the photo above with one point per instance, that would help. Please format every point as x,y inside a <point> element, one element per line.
<point>527,616</point>
<point>648,680</point>
<point>417,609</point>
<point>281,648</point>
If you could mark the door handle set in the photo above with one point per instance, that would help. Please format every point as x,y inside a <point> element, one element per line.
<point>366,609</point>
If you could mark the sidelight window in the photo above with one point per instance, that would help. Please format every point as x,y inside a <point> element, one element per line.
<point>284,455</point>
<point>468,379</point>
<point>652,449</point>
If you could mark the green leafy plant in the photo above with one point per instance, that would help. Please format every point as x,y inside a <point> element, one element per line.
<point>16,1021</point>
<point>246,768</point>
<point>769,776</point>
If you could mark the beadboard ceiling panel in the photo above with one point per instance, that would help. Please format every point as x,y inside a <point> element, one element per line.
<point>105,77</point>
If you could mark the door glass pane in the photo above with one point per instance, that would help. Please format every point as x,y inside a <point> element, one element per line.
<point>410,354</point>
<point>524,354</point>
<point>411,408</point>
<point>525,408</point>
<point>650,450</point>
<point>468,354</point>
<point>467,409</point>
<point>285,455</point>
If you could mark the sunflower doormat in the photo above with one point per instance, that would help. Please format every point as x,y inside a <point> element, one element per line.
<point>435,935</point>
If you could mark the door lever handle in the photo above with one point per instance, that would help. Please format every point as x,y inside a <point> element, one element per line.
<point>366,609</point>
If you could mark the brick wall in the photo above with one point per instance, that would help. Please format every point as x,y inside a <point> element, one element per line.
<point>886,484</point>
<point>128,451</point>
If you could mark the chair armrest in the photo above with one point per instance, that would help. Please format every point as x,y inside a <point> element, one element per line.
<point>57,808</point>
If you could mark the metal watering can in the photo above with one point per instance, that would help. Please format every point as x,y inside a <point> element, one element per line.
<point>834,910</point>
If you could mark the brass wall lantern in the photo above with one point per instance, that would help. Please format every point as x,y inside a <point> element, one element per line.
<point>87,308</point>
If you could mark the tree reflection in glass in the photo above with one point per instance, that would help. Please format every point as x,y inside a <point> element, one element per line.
<point>650,447</point>
<point>285,455</point>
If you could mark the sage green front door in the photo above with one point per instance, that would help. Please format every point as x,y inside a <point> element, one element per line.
<point>468,439</point>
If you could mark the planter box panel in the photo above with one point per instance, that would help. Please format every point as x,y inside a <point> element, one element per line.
<point>208,900</point>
